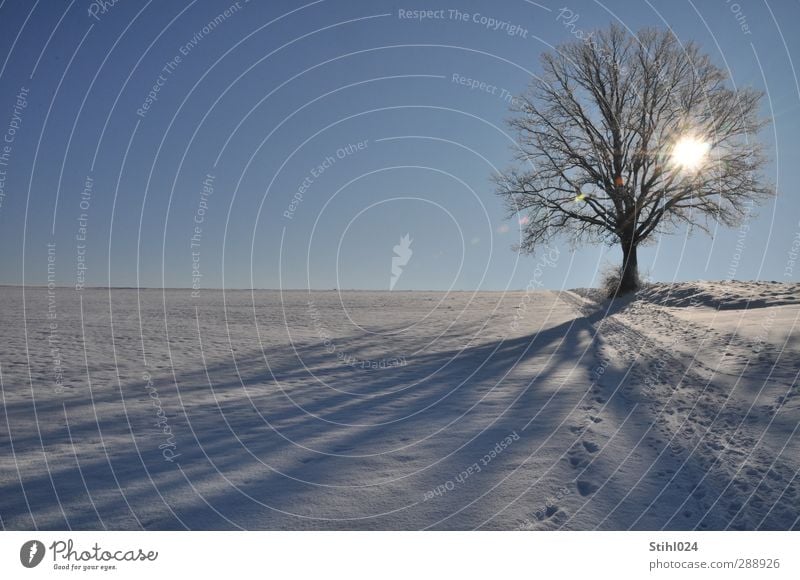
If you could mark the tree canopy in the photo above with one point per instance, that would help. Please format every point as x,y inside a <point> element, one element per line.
<point>624,136</point>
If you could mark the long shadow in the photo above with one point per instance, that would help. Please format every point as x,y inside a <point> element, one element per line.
<point>459,385</point>
<point>249,439</point>
<point>687,488</point>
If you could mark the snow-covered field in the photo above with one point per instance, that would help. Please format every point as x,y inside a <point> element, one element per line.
<point>678,409</point>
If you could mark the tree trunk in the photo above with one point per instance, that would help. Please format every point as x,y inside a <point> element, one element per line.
<point>629,277</point>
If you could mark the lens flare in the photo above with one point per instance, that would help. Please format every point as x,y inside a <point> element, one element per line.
<point>690,153</point>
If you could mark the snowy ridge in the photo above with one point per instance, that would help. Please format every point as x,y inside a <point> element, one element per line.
<point>730,295</point>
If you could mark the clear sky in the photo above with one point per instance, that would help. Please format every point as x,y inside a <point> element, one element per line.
<point>290,144</point>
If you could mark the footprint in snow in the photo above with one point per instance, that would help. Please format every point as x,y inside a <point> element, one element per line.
<point>590,446</point>
<point>586,487</point>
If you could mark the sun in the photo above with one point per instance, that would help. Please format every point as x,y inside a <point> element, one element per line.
<point>690,153</point>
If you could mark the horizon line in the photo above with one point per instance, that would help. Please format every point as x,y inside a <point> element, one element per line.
<point>217,289</point>
<point>239,289</point>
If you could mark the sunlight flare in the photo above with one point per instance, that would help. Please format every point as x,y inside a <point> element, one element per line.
<point>690,153</point>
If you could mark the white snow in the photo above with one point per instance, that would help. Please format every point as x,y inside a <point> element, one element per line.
<point>675,409</point>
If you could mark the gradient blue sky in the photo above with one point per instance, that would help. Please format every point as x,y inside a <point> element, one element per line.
<point>262,100</point>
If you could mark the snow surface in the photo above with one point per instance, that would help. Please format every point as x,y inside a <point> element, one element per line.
<point>674,409</point>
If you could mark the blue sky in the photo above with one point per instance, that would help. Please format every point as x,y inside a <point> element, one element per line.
<point>293,144</point>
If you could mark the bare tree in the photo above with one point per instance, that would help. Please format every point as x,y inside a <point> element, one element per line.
<point>625,136</point>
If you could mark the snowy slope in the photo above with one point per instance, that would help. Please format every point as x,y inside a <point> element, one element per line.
<point>674,409</point>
